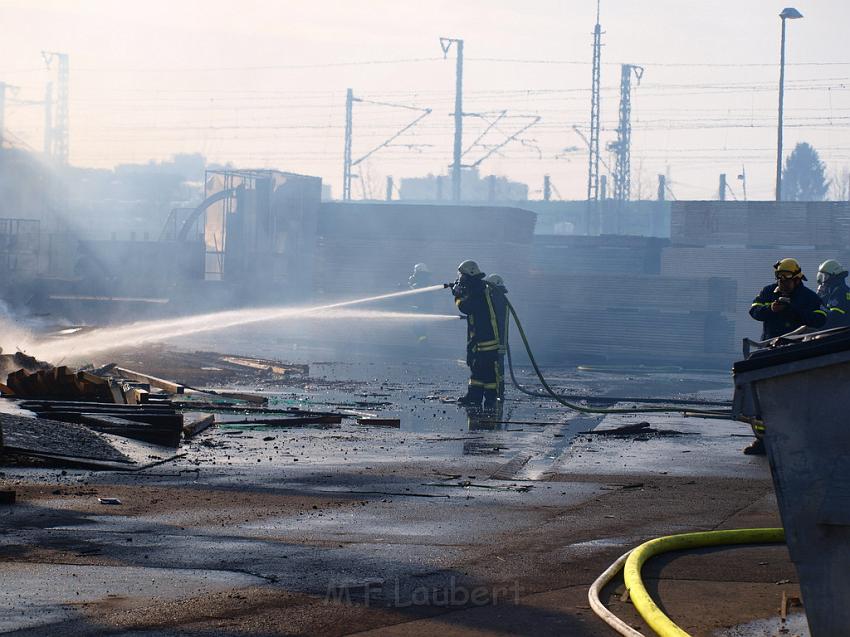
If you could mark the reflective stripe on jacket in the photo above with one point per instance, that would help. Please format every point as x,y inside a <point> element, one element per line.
<point>805,309</point>
<point>836,298</point>
<point>473,298</point>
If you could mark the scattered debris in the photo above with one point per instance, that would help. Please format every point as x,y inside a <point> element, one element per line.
<point>109,500</point>
<point>508,470</point>
<point>295,421</point>
<point>380,422</point>
<point>466,484</point>
<point>272,367</point>
<point>641,427</point>
<point>639,430</point>
<point>195,426</point>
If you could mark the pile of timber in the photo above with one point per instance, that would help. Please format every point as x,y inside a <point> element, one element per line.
<point>626,317</point>
<point>156,422</point>
<point>364,247</point>
<point>760,223</point>
<point>346,266</point>
<point>61,383</point>
<point>110,384</point>
<point>627,335</point>
<point>567,254</point>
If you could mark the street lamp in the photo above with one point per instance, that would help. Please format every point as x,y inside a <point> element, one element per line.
<point>788,13</point>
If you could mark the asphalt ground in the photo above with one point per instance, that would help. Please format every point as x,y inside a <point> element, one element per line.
<point>454,524</point>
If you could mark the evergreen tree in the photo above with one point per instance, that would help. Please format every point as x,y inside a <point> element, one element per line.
<point>804,175</point>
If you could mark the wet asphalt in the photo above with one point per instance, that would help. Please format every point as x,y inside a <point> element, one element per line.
<point>361,517</point>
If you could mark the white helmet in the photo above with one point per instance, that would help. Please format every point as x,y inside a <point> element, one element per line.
<point>830,268</point>
<point>469,268</point>
<point>495,280</point>
<point>421,267</point>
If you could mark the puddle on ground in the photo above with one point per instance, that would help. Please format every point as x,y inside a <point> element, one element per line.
<point>416,383</point>
<point>794,626</point>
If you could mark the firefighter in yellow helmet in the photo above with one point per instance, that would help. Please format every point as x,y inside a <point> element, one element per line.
<point>782,307</point>
<point>787,304</point>
<point>473,298</point>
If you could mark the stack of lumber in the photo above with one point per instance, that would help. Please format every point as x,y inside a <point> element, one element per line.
<point>643,292</point>
<point>379,221</point>
<point>156,422</point>
<point>360,266</point>
<point>602,254</point>
<point>626,317</point>
<point>628,335</point>
<point>708,223</point>
<point>769,224</point>
<point>370,248</point>
<point>62,383</point>
<point>760,223</point>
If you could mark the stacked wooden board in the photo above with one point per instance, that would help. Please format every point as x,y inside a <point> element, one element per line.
<point>157,422</point>
<point>62,383</point>
<point>360,266</point>
<point>372,247</point>
<point>627,318</point>
<point>760,223</point>
<point>708,223</point>
<point>600,254</point>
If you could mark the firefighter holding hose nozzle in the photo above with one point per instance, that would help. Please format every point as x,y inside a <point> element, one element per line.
<point>473,298</point>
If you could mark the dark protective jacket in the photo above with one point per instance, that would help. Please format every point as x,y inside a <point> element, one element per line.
<point>805,309</point>
<point>473,298</point>
<point>500,306</point>
<point>836,299</point>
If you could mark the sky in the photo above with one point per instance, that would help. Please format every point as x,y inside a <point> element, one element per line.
<point>263,85</point>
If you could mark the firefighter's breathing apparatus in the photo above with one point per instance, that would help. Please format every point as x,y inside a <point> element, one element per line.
<point>669,405</point>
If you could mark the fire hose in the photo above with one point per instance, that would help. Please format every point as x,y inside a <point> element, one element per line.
<point>550,393</point>
<point>632,562</point>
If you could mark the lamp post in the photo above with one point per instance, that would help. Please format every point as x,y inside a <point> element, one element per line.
<point>792,14</point>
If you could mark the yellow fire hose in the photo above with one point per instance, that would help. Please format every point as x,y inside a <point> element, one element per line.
<point>635,559</point>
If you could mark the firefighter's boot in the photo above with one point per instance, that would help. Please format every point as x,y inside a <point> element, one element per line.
<point>472,398</point>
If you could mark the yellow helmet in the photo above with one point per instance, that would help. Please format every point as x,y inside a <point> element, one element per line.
<point>788,268</point>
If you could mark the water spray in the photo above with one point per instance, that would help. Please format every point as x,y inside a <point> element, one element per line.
<point>147,331</point>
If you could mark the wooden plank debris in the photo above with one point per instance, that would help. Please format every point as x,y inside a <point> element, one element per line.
<point>380,422</point>
<point>166,434</point>
<point>265,365</point>
<point>508,470</point>
<point>195,426</point>
<point>296,421</point>
<point>166,385</point>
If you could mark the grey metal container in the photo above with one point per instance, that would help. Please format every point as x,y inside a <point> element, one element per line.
<point>801,393</point>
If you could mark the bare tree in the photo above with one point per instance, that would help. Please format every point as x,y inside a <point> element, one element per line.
<point>840,185</point>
